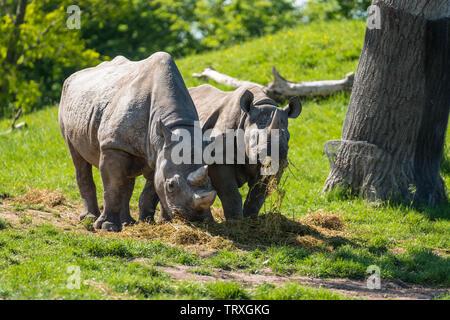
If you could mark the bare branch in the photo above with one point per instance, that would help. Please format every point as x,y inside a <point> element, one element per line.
<point>18,113</point>
<point>15,126</point>
<point>212,74</point>
<point>281,88</point>
<point>285,89</point>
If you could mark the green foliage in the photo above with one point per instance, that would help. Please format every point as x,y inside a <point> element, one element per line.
<point>4,224</point>
<point>224,22</point>
<point>46,52</point>
<point>43,51</point>
<point>137,28</point>
<point>88,223</point>
<point>226,290</point>
<point>293,291</point>
<point>335,9</point>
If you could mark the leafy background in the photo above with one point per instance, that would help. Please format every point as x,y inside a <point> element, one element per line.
<point>46,51</point>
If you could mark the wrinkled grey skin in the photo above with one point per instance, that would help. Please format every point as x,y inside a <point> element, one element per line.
<point>119,117</point>
<point>245,108</point>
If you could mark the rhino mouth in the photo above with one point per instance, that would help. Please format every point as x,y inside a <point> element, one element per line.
<point>195,195</point>
<point>190,215</point>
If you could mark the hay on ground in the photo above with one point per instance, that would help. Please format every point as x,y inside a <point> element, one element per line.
<point>247,233</point>
<point>324,220</point>
<point>48,197</point>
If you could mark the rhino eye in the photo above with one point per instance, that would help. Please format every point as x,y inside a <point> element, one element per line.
<point>170,186</point>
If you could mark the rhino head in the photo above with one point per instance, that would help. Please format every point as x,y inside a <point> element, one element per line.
<point>265,114</point>
<point>182,188</point>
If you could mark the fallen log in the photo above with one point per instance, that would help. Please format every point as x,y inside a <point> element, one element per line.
<point>211,73</point>
<point>15,126</point>
<point>280,88</point>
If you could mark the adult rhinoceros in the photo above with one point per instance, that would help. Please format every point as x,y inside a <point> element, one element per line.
<point>246,108</point>
<point>119,117</point>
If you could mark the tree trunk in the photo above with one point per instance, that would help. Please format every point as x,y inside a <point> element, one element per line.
<point>394,130</point>
<point>11,53</point>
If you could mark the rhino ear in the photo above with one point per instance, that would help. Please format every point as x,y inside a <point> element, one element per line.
<point>166,132</point>
<point>246,101</point>
<point>294,108</point>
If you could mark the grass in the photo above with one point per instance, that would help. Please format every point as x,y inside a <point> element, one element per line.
<point>36,265</point>
<point>407,243</point>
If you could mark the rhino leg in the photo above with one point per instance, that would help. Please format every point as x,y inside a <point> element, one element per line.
<point>208,215</point>
<point>113,169</point>
<point>125,217</point>
<point>164,213</point>
<point>223,178</point>
<point>148,202</point>
<point>255,198</point>
<point>86,185</point>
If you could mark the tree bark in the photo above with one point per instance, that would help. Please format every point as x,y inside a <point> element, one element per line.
<point>394,130</point>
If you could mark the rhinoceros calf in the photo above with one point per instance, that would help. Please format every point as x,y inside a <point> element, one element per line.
<point>119,117</point>
<point>246,108</point>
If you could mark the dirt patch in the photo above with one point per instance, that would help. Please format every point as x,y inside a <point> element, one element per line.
<point>41,206</point>
<point>442,253</point>
<point>107,291</point>
<point>397,251</point>
<point>347,287</point>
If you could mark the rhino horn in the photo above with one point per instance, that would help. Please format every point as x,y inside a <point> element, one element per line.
<point>204,200</point>
<point>199,176</point>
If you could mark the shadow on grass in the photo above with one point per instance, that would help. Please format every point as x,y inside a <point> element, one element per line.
<point>274,229</point>
<point>441,211</point>
<point>296,246</point>
<point>445,165</point>
<point>415,265</point>
<point>434,213</point>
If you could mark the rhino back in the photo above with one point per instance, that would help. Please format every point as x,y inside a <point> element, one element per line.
<point>221,109</point>
<point>216,108</point>
<point>114,105</point>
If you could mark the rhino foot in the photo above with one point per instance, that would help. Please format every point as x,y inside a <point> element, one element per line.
<point>110,226</point>
<point>106,224</point>
<point>87,215</point>
<point>128,221</point>
<point>251,213</point>
<point>233,217</point>
<point>147,219</point>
